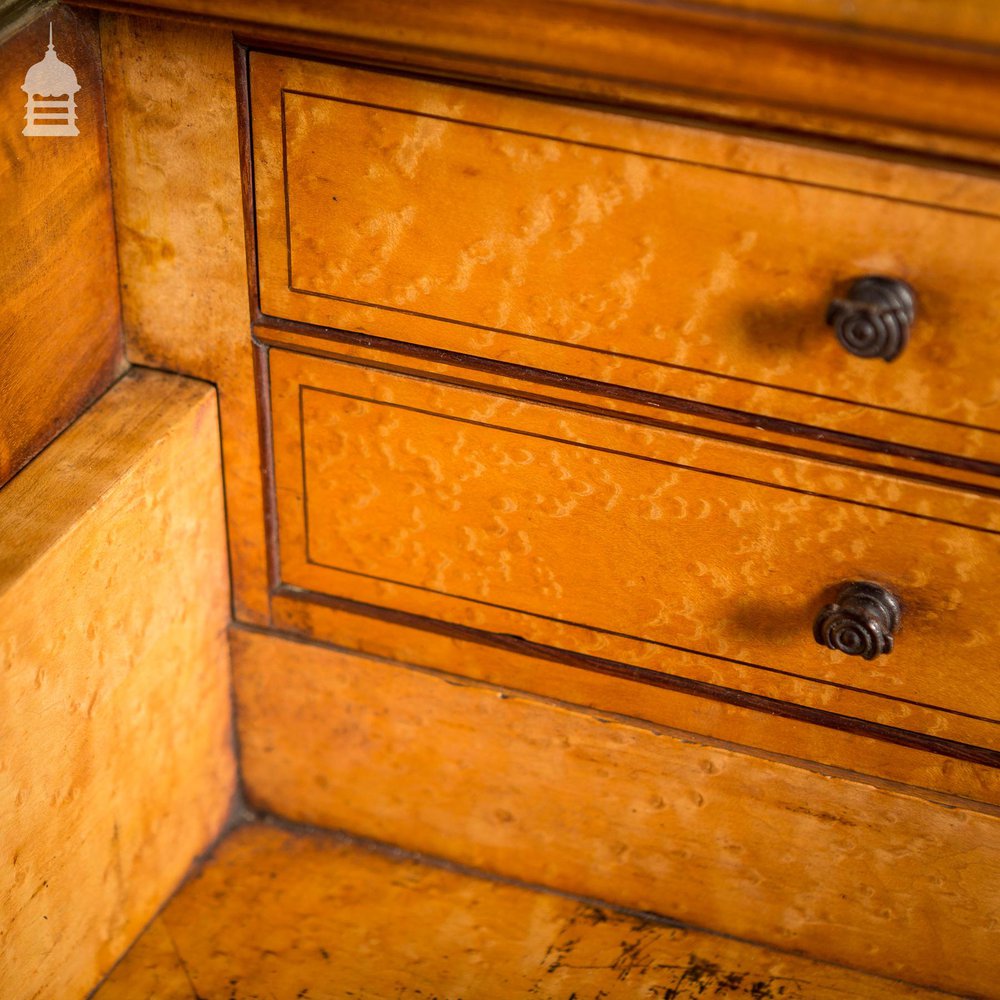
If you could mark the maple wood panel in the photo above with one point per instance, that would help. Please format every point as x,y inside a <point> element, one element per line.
<point>60,329</point>
<point>117,767</point>
<point>620,250</point>
<point>643,545</point>
<point>876,878</point>
<point>179,215</point>
<point>781,726</point>
<point>323,906</point>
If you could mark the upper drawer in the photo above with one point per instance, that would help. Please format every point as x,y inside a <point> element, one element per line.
<point>632,252</point>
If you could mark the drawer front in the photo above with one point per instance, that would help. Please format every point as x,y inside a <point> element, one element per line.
<point>627,251</point>
<point>626,541</point>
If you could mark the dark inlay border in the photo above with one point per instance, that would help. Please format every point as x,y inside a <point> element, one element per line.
<point>264,325</point>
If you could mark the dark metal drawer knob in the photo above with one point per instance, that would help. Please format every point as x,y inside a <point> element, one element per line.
<point>874,320</point>
<point>861,622</point>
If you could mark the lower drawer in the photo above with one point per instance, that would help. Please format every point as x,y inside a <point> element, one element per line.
<point>626,539</point>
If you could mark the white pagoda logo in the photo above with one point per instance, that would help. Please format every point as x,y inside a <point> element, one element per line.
<point>50,86</point>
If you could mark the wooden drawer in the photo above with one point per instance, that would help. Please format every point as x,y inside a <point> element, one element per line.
<point>632,252</point>
<point>623,540</point>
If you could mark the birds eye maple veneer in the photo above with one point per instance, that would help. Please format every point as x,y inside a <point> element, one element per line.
<point>630,541</point>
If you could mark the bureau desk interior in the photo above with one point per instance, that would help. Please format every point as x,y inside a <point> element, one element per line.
<point>549,394</point>
<point>610,421</point>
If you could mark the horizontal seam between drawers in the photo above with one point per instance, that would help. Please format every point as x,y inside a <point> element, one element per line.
<point>295,290</point>
<point>263,324</point>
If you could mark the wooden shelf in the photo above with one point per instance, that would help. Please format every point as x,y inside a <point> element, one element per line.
<point>280,913</point>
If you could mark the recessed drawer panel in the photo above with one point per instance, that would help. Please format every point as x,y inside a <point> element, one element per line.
<point>632,252</point>
<point>624,540</point>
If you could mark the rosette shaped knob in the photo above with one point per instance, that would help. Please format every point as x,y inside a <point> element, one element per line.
<point>861,622</point>
<point>874,320</point>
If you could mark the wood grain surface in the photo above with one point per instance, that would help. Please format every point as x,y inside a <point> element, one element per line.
<point>117,767</point>
<point>284,914</point>
<point>60,325</point>
<point>958,20</point>
<point>179,216</point>
<point>923,77</point>
<point>644,546</point>
<point>631,252</point>
<point>876,878</point>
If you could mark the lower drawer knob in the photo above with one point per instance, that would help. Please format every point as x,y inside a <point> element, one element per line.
<point>861,622</point>
<point>874,320</point>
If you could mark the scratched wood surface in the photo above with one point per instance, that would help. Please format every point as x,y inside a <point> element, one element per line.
<point>117,767</point>
<point>60,330</point>
<point>890,74</point>
<point>277,913</point>
<point>179,217</point>
<point>873,877</point>
<point>621,250</point>
<point>585,533</point>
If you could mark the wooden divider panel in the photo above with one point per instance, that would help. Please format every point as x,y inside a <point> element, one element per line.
<point>116,767</point>
<point>172,126</point>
